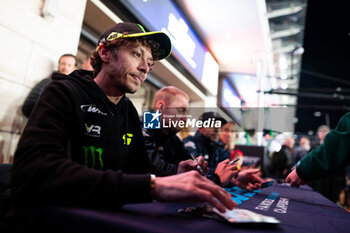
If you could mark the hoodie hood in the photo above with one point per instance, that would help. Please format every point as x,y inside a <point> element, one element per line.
<point>83,78</point>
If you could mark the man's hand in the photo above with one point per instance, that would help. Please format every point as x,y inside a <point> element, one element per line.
<point>190,164</point>
<point>294,179</point>
<point>192,186</point>
<point>226,172</point>
<point>248,179</point>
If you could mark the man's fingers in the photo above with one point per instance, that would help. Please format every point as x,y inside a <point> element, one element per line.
<point>218,205</point>
<point>253,171</point>
<point>226,161</point>
<point>258,179</point>
<point>206,190</point>
<point>231,167</point>
<point>218,193</point>
<point>288,179</point>
<point>205,164</point>
<point>200,160</point>
<point>187,163</point>
<point>295,184</point>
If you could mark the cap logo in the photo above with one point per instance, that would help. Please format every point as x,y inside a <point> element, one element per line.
<point>113,36</point>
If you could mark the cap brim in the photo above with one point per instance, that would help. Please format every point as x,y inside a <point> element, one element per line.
<point>163,40</point>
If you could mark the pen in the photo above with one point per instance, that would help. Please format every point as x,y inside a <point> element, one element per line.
<point>233,161</point>
<point>199,168</point>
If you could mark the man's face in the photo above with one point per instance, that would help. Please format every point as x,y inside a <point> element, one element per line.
<point>129,68</point>
<point>212,133</point>
<point>321,135</point>
<point>178,108</point>
<point>226,133</point>
<point>66,65</point>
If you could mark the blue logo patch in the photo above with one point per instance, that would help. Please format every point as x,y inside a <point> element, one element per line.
<point>151,120</point>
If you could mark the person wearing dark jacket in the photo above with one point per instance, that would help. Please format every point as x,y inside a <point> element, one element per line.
<point>282,160</point>
<point>165,150</point>
<point>66,65</point>
<point>83,145</point>
<point>221,171</point>
<point>205,143</point>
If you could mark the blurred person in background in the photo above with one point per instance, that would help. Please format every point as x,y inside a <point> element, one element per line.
<point>268,143</point>
<point>87,63</point>
<point>227,142</point>
<point>322,131</point>
<point>282,160</point>
<point>301,150</point>
<point>227,136</point>
<point>206,142</point>
<point>66,65</point>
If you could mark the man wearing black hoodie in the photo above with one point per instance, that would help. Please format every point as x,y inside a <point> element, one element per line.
<point>83,144</point>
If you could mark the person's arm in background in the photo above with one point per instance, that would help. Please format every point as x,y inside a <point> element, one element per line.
<point>326,159</point>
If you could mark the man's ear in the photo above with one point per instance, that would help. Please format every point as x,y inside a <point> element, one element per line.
<point>160,105</point>
<point>201,130</point>
<point>104,53</point>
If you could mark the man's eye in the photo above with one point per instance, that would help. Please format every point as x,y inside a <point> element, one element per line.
<point>150,65</point>
<point>182,110</point>
<point>137,54</point>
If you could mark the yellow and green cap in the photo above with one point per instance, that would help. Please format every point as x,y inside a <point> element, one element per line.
<point>130,30</point>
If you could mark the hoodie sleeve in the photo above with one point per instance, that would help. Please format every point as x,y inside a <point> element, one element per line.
<point>330,156</point>
<point>43,174</point>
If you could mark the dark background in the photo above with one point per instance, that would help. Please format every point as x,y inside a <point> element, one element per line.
<point>325,65</point>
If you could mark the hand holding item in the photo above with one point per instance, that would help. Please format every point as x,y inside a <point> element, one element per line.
<point>198,164</point>
<point>191,186</point>
<point>248,179</point>
<point>226,170</point>
<point>294,179</point>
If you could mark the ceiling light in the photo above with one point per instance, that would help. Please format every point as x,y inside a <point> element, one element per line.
<point>246,77</point>
<point>283,63</point>
<point>284,76</point>
<point>317,114</point>
<point>298,51</point>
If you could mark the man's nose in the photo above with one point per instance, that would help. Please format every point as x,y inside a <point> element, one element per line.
<point>143,66</point>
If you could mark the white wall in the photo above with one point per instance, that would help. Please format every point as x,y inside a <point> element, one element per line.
<point>30,48</point>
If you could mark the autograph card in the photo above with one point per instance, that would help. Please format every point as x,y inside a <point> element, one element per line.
<point>245,216</point>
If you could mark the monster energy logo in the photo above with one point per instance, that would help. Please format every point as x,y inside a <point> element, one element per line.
<point>93,151</point>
